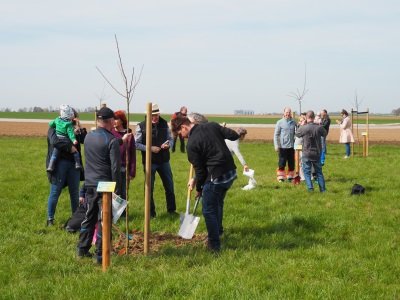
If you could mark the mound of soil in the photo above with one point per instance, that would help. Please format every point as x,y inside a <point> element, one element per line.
<point>156,242</point>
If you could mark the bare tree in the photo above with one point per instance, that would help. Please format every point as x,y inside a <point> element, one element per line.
<point>130,86</point>
<point>357,102</point>
<point>299,96</point>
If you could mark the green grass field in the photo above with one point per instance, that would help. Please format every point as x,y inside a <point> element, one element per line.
<point>232,119</point>
<point>280,242</point>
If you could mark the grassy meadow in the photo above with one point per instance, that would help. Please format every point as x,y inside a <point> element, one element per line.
<point>230,119</point>
<point>280,241</point>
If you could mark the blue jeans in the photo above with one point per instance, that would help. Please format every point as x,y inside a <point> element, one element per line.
<point>307,164</point>
<point>213,211</point>
<point>164,170</point>
<point>323,152</point>
<point>347,145</point>
<point>66,174</point>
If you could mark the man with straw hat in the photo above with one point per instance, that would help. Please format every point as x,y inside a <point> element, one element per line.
<point>162,140</point>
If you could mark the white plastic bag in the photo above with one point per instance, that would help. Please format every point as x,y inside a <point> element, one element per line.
<point>252,182</point>
<point>118,207</point>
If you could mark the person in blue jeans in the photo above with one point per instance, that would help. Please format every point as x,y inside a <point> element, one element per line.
<point>65,172</point>
<point>312,135</point>
<point>215,171</point>
<point>326,123</point>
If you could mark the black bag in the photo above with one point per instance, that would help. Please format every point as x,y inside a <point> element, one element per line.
<point>357,189</point>
<point>74,223</point>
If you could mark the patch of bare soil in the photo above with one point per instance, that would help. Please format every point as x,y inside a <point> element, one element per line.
<point>376,134</point>
<point>156,242</point>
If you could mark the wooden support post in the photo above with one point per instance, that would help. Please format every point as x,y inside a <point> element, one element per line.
<point>147,189</point>
<point>352,131</point>
<point>364,135</point>
<point>367,131</point>
<point>106,230</point>
<point>95,117</point>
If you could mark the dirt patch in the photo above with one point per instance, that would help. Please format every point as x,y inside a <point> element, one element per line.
<point>377,134</point>
<point>156,242</point>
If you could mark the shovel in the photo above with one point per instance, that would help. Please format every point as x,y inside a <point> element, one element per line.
<point>189,221</point>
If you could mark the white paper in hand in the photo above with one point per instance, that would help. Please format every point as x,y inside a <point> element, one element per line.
<point>118,207</point>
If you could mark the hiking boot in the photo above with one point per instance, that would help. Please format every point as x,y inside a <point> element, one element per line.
<point>81,253</point>
<point>50,222</point>
<point>99,259</point>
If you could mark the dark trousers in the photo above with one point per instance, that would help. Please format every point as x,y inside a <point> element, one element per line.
<point>93,199</point>
<point>182,140</point>
<point>213,211</point>
<point>286,155</point>
<point>165,172</point>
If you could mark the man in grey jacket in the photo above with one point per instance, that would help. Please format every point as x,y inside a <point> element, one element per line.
<point>284,145</point>
<point>102,163</point>
<point>312,135</point>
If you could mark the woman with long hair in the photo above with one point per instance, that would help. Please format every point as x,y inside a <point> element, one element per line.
<point>346,135</point>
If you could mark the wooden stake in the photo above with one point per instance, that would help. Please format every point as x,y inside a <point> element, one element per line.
<point>147,189</point>
<point>106,230</point>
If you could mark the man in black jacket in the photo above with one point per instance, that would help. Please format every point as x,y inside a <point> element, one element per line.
<point>160,145</point>
<point>102,163</point>
<point>312,135</point>
<point>215,171</point>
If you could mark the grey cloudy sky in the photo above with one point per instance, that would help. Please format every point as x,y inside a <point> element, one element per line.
<point>213,56</point>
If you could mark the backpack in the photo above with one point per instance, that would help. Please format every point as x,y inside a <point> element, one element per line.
<point>74,222</point>
<point>357,189</point>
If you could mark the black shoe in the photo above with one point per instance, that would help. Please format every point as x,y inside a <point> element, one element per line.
<point>212,249</point>
<point>50,223</point>
<point>173,213</point>
<point>83,253</point>
<point>153,214</point>
<point>99,259</point>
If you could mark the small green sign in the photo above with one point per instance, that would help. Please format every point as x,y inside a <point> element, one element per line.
<point>106,186</point>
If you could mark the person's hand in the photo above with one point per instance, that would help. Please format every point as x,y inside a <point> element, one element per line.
<point>246,168</point>
<point>165,145</point>
<point>73,149</point>
<point>155,149</point>
<point>81,200</point>
<point>75,142</point>
<point>126,137</point>
<point>276,149</point>
<point>191,184</point>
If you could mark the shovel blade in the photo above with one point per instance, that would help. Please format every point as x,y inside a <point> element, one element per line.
<point>188,226</point>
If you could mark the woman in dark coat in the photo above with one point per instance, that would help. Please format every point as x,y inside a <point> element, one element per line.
<point>65,173</point>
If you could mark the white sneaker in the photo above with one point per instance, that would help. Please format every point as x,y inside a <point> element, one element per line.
<point>345,157</point>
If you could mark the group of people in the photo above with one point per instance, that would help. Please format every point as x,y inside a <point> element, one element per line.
<point>110,155</point>
<point>310,134</point>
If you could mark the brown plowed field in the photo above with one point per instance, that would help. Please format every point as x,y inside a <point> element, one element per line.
<point>377,134</point>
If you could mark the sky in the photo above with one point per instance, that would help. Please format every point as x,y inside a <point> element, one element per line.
<point>214,57</point>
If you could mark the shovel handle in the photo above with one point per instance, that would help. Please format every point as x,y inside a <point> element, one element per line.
<point>189,191</point>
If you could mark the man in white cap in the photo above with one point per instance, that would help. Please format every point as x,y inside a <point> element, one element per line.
<point>162,140</point>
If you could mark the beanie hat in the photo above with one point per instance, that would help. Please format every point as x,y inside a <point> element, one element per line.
<point>66,112</point>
